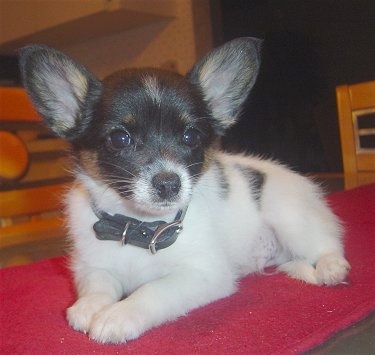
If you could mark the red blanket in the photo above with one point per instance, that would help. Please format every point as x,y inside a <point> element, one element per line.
<point>268,315</point>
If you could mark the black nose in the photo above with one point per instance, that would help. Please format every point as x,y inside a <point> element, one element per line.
<point>167,184</point>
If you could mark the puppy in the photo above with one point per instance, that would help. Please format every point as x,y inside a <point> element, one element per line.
<point>161,222</point>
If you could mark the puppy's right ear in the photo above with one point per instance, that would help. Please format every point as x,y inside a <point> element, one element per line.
<point>225,76</point>
<point>62,91</point>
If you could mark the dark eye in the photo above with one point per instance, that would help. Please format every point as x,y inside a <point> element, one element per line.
<point>120,139</point>
<point>191,137</point>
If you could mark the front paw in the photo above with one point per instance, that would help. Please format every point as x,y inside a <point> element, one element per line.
<point>117,323</point>
<point>82,312</point>
<point>331,269</point>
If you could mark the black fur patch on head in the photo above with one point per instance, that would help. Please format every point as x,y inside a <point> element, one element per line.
<point>162,116</point>
<point>255,180</point>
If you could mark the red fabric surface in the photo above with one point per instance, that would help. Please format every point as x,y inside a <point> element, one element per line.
<point>268,315</point>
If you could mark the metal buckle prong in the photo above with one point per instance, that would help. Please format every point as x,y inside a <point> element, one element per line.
<point>123,235</point>
<point>160,230</point>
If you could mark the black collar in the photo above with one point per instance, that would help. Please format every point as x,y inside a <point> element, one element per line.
<point>147,235</point>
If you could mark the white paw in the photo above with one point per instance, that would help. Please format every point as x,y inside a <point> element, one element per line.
<point>116,323</point>
<point>300,270</point>
<point>81,313</point>
<point>331,269</point>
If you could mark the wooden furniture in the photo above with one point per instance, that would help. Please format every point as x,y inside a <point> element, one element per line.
<point>356,113</point>
<point>32,178</point>
<point>14,156</point>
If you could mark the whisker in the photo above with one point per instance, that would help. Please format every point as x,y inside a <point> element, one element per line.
<point>120,167</point>
<point>192,164</point>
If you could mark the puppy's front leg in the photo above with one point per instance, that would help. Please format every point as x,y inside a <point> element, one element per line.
<point>155,303</point>
<point>96,290</point>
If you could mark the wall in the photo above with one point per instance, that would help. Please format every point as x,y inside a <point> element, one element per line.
<point>108,34</point>
<point>170,44</point>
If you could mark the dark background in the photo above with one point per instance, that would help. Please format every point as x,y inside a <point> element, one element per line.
<point>310,47</point>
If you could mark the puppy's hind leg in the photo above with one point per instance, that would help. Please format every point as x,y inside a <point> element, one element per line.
<point>315,249</point>
<point>311,236</point>
<point>330,270</point>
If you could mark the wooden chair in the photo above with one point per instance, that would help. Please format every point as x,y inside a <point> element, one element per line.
<point>356,113</point>
<point>32,178</point>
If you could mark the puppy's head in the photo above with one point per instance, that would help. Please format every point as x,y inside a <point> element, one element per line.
<point>146,134</point>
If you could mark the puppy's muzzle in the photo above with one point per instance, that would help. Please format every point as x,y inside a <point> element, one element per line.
<point>167,185</point>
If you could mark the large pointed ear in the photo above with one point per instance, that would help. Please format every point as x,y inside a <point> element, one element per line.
<point>225,76</point>
<point>62,91</point>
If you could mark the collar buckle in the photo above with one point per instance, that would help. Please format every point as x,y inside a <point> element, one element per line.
<point>147,235</point>
<point>160,230</point>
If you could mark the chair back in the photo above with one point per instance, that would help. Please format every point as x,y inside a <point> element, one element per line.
<point>33,175</point>
<point>356,113</point>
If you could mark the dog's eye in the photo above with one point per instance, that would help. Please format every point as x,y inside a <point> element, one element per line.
<point>120,139</point>
<point>191,137</point>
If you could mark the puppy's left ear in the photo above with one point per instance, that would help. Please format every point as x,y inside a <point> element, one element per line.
<point>225,76</point>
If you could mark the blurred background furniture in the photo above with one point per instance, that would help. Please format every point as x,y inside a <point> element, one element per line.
<point>32,178</point>
<point>356,112</point>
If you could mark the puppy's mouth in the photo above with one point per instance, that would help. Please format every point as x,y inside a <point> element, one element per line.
<point>159,207</point>
<point>158,193</point>
<point>165,192</point>
<point>164,206</point>
<point>165,189</point>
